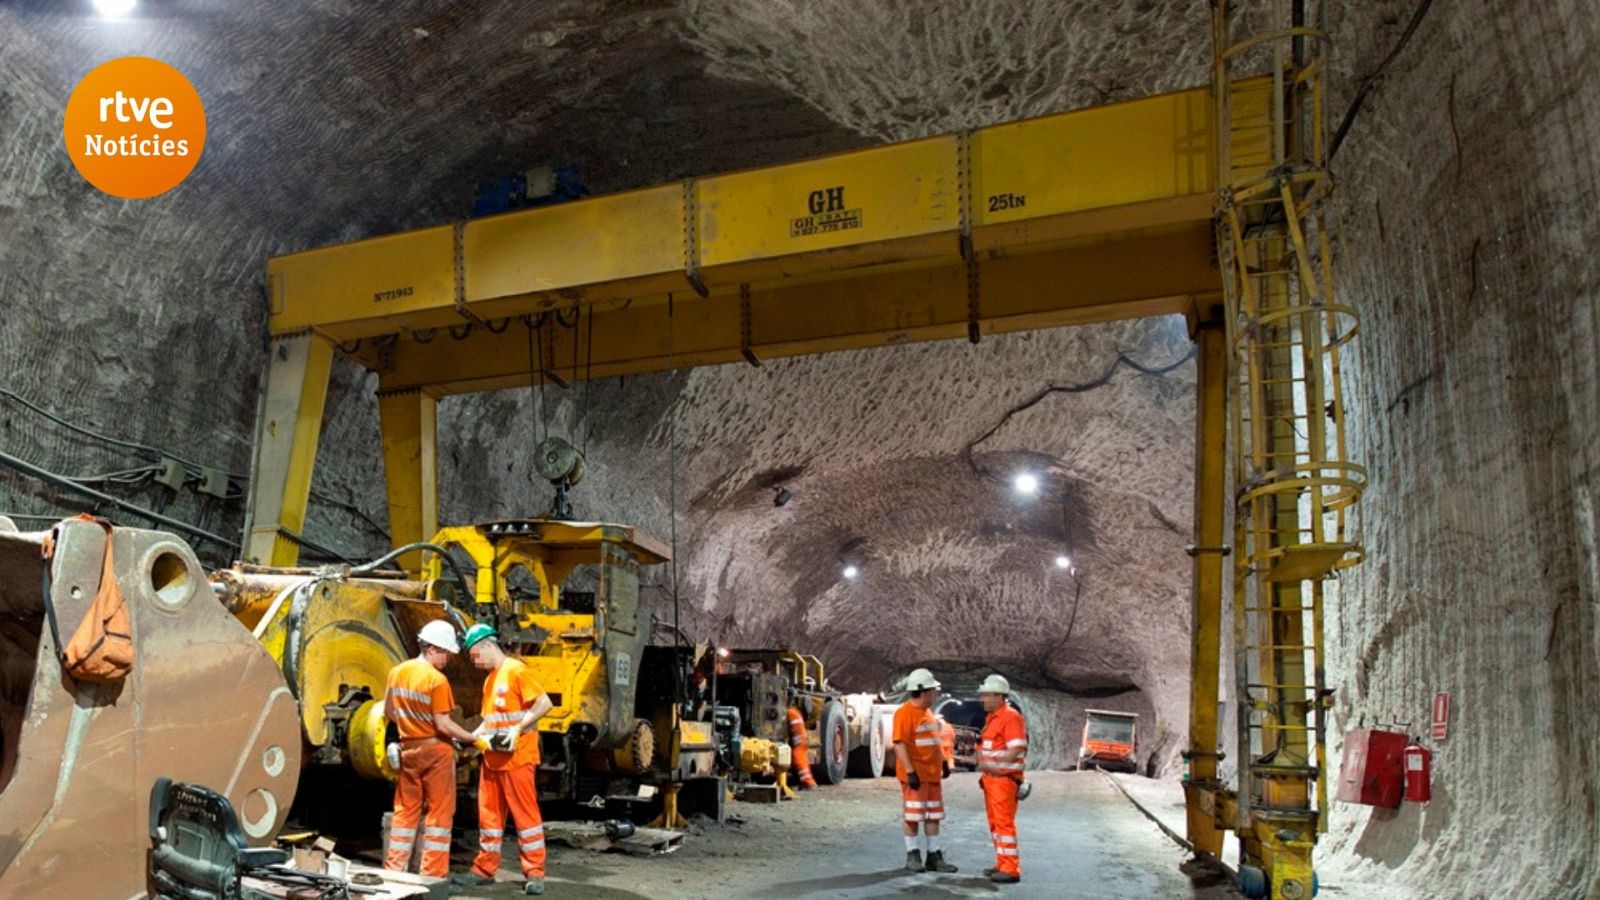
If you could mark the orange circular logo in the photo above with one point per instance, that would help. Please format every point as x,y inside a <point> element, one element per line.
<point>135,127</point>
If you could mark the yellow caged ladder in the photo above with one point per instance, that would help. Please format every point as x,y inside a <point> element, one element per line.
<point>1293,482</point>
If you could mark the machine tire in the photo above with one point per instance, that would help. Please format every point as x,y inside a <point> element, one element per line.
<point>867,761</point>
<point>833,734</point>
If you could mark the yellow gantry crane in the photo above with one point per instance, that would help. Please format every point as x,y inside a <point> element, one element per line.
<point>1205,203</point>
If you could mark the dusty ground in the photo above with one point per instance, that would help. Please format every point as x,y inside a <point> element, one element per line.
<point>1080,838</point>
<point>1162,799</point>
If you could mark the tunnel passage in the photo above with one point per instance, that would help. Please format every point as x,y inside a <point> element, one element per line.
<point>1055,717</point>
<point>947,561</point>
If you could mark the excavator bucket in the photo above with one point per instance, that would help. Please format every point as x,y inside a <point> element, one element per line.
<point>204,703</point>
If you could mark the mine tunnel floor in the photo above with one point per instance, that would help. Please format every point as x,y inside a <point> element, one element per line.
<point>1080,838</point>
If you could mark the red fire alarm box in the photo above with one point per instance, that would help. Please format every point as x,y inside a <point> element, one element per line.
<point>1372,770</point>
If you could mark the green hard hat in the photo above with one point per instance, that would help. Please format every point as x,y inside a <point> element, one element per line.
<point>477,633</point>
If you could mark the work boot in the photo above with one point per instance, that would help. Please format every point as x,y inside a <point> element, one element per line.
<point>1000,877</point>
<point>533,887</point>
<point>470,879</point>
<point>936,862</point>
<point>914,861</point>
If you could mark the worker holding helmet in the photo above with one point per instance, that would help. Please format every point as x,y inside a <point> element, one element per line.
<point>513,703</point>
<point>1001,760</point>
<point>417,700</point>
<point>921,767</point>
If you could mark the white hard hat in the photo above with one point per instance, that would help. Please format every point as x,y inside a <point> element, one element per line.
<point>995,684</point>
<point>921,680</point>
<point>439,633</point>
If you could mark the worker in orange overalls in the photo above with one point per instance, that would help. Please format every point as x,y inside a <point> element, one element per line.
<point>947,739</point>
<point>802,752</point>
<point>513,703</point>
<point>1002,758</point>
<point>921,768</point>
<point>417,700</point>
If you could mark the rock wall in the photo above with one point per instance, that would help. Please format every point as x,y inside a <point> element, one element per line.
<point>1467,201</point>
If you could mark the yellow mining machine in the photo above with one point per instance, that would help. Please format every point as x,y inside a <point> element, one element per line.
<point>335,632</point>
<point>565,597</point>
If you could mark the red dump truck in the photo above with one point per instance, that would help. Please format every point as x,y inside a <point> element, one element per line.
<point>1109,741</point>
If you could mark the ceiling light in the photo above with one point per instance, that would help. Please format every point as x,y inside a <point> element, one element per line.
<point>1063,562</point>
<point>783,496</point>
<point>1026,483</point>
<point>723,652</point>
<point>851,572</point>
<point>114,9</point>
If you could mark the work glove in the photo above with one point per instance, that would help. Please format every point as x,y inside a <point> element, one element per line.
<point>481,742</point>
<point>946,771</point>
<point>391,755</point>
<point>913,782</point>
<point>505,740</point>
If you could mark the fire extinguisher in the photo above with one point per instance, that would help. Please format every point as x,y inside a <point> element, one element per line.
<point>1419,773</point>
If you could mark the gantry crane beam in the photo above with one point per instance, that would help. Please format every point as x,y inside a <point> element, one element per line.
<point>1077,183</point>
<point>1091,215</point>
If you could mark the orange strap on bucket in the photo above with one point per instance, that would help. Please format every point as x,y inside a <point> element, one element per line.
<point>101,649</point>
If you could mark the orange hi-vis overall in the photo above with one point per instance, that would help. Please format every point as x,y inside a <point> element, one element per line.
<point>415,691</point>
<point>802,752</point>
<point>508,781</point>
<point>1003,732</point>
<point>918,731</point>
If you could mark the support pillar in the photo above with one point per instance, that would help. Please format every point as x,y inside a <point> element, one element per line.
<point>286,447</point>
<point>1210,509</point>
<point>409,424</point>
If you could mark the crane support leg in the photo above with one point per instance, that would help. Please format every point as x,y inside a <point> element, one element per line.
<point>286,447</point>
<point>408,421</point>
<point>1210,508</point>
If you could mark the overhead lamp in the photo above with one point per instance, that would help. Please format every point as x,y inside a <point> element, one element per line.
<point>724,652</point>
<point>851,572</point>
<point>1026,483</point>
<point>114,9</point>
<point>782,497</point>
<point>1063,562</point>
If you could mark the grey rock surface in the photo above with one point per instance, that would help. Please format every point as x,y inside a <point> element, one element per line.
<point>1466,211</point>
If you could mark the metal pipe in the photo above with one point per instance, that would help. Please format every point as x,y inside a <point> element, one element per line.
<point>248,594</point>
<point>461,580</point>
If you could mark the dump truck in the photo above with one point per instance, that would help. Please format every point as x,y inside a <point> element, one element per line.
<point>1109,741</point>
